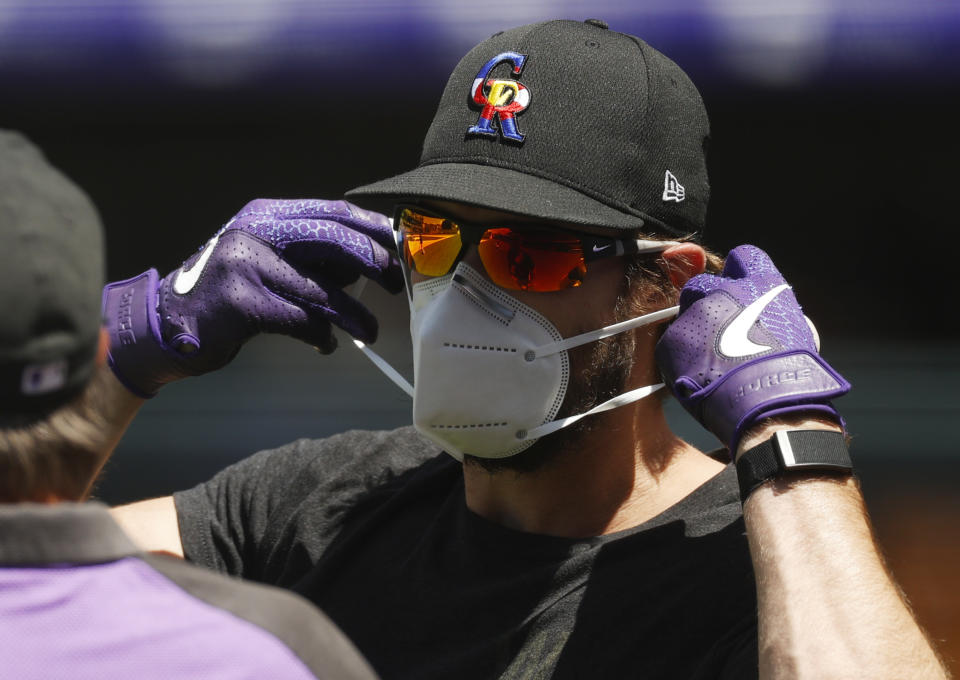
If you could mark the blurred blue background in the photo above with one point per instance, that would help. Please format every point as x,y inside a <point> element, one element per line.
<point>835,148</point>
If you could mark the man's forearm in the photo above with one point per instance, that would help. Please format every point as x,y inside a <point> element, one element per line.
<point>828,607</point>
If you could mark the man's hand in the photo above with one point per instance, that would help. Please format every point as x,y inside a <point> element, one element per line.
<point>741,350</point>
<point>279,266</point>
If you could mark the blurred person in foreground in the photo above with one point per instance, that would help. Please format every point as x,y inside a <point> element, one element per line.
<point>77,598</point>
<point>539,519</point>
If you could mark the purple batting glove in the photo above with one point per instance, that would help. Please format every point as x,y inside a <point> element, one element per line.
<point>278,266</point>
<point>741,350</point>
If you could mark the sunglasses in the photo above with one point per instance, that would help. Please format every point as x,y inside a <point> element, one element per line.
<point>516,258</point>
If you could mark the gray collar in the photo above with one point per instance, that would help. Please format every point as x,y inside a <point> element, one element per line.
<point>63,533</point>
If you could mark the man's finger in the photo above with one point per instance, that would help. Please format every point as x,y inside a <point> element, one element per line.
<point>367,222</point>
<point>317,298</point>
<point>341,257</point>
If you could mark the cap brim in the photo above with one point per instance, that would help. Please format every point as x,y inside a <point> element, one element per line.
<point>496,188</point>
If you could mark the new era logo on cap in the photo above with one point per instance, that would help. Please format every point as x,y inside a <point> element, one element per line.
<point>672,189</point>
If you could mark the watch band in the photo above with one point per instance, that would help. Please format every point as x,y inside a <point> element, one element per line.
<point>786,450</point>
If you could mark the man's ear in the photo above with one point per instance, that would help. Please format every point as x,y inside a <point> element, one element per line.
<point>103,348</point>
<point>683,262</point>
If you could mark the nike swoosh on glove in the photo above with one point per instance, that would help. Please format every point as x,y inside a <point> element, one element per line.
<point>279,266</point>
<point>741,349</point>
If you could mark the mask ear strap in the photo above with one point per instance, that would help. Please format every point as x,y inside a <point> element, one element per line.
<point>385,368</point>
<point>605,332</point>
<point>356,290</point>
<point>619,400</point>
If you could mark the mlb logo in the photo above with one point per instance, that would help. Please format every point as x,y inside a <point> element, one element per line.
<point>43,378</point>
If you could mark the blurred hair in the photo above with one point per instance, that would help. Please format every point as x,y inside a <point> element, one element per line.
<point>55,457</point>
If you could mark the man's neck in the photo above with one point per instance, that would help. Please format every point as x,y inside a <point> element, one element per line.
<point>629,470</point>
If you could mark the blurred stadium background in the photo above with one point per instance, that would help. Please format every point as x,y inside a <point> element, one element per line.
<point>835,148</point>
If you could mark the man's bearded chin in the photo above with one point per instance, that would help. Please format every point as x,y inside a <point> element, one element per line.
<point>599,372</point>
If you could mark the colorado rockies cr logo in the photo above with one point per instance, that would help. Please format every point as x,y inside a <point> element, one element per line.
<point>502,99</point>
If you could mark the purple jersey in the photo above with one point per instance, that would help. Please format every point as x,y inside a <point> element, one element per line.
<point>78,601</point>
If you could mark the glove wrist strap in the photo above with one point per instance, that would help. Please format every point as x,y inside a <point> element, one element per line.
<point>138,357</point>
<point>775,384</point>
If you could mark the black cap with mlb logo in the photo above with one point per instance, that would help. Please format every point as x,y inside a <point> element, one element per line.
<point>567,121</point>
<point>51,277</point>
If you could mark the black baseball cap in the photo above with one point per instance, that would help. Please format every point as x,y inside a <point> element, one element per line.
<point>567,121</point>
<point>51,277</point>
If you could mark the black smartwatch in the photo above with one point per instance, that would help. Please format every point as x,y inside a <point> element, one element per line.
<point>793,450</point>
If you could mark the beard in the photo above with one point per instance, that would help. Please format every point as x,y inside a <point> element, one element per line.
<point>598,372</point>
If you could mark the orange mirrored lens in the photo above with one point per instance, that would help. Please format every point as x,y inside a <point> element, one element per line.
<point>529,260</point>
<point>431,244</point>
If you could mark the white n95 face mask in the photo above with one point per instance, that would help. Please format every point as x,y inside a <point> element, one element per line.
<point>490,373</point>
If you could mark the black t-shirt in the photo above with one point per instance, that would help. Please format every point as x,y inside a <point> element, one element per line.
<point>373,527</point>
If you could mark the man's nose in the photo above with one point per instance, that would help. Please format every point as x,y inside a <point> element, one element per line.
<point>472,257</point>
